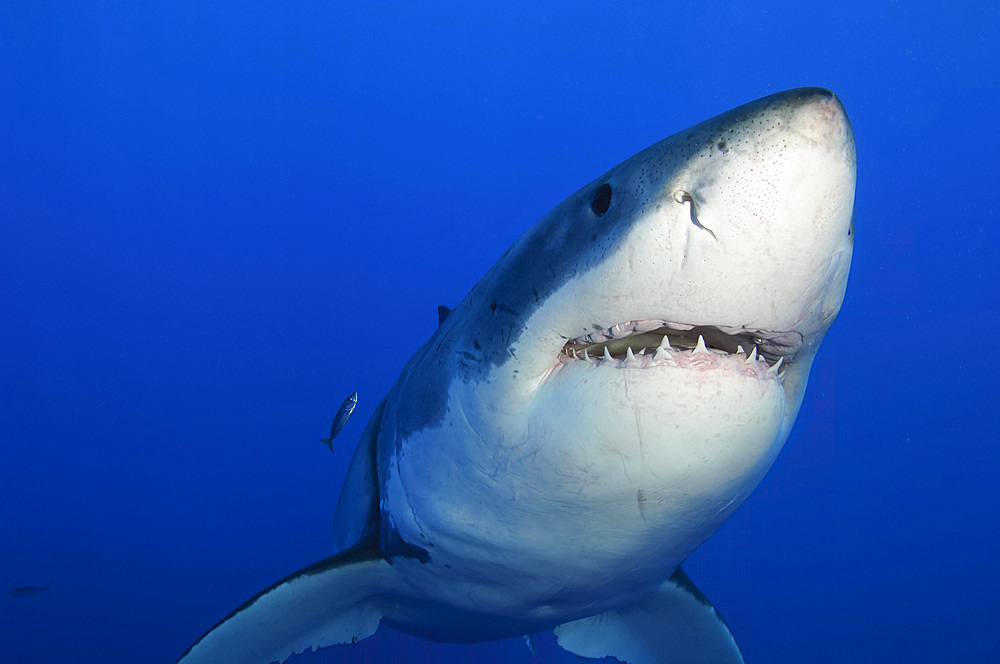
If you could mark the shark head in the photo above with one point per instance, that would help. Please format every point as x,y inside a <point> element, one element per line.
<point>624,376</point>
<point>738,230</point>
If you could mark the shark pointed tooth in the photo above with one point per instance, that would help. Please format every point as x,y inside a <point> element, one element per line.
<point>607,355</point>
<point>629,356</point>
<point>665,343</point>
<point>740,351</point>
<point>575,356</point>
<point>586,355</point>
<point>700,348</point>
<point>662,355</point>
<point>752,357</point>
<point>773,369</point>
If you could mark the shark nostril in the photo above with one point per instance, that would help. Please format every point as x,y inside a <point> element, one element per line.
<point>682,196</point>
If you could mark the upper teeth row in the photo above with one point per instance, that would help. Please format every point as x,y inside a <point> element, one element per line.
<point>620,330</point>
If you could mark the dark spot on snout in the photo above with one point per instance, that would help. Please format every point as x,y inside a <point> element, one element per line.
<point>723,148</point>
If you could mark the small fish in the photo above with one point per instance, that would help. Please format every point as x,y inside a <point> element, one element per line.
<point>340,419</point>
<point>27,591</point>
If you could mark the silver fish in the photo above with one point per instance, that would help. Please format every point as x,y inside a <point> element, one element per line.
<point>340,419</point>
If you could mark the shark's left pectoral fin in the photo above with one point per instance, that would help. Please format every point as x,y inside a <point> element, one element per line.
<point>336,600</point>
<point>675,625</point>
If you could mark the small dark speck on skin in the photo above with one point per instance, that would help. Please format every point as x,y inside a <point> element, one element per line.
<point>475,342</point>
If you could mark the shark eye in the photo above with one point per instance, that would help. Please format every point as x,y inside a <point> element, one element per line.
<point>602,200</point>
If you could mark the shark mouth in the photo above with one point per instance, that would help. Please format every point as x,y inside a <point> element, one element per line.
<point>647,343</point>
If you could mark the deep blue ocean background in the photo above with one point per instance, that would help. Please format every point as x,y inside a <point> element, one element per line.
<point>217,219</point>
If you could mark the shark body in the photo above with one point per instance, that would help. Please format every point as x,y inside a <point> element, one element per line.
<point>600,402</point>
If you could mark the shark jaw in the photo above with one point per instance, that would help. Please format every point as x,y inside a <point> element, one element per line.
<point>644,344</point>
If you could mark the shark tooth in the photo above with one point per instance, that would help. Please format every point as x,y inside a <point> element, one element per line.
<point>662,355</point>
<point>700,348</point>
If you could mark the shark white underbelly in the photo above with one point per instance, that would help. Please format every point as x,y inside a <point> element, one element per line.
<point>601,401</point>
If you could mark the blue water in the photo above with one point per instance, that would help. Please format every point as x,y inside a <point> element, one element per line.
<point>217,219</point>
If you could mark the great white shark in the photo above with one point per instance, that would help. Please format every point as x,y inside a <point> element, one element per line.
<point>599,403</point>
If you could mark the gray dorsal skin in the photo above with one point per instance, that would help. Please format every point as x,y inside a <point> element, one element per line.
<point>340,419</point>
<point>600,402</point>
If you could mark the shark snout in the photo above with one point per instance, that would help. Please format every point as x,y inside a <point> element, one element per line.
<point>819,116</point>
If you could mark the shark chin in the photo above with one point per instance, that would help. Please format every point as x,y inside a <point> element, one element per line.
<point>609,392</point>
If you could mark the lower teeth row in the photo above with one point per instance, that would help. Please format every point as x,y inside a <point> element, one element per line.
<point>666,353</point>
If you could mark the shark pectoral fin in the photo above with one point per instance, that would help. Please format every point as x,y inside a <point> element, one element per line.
<point>675,625</point>
<point>334,601</point>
